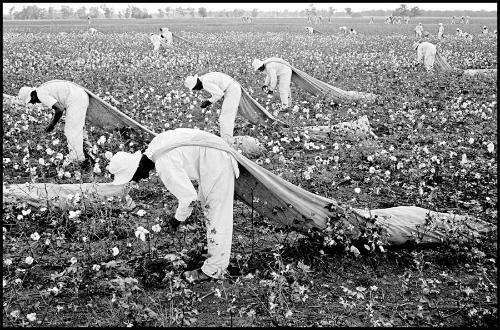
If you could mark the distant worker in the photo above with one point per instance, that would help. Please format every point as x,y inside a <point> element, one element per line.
<point>419,29</point>
<point>343,29</point>
<point>467,19</point>
<point>371,20</point>
<point>459,33</point>
<point>485,30</point>
<point>277,74</point>
<point>68,98</point>
<point>167,36</point>
<point>441,31</point>
<point>352,31</point>
<point>92,31</point>
<point>452,19</point>
<point>310,29</point>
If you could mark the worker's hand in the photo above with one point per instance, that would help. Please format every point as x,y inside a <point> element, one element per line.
<point>49,128</point>
<point>264,88</point>
<point>172,225</point>
<point>205,104</point>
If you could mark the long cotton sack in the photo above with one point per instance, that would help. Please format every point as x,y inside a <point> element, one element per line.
<point>441,64</point>
<point>251,110</point>
<point>318,87</point>
<point>104,115</point>
<point>291,206</point>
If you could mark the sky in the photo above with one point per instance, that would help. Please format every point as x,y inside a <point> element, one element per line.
<point>263,6</point>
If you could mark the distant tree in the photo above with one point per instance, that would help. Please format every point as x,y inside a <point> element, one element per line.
<point>43,13</point>
<point>180,11</point>
<point>401,11</point>
<point>108,12</point>
<point>202,11</point>
<point>255,12</point>
<point>348,11</point>
<point>29,12</point>
<point>168,11</point>
<point>66,12</point>
<point>331,11</point>
<point>120,14</point>
<point>161,13</point>
<point>312,10</point>
<point>11,12</point>
<point>51,13</point>
<point>128,12</point>
<point>81,12</point>
<point>415,11</point>
<point>94,12</point>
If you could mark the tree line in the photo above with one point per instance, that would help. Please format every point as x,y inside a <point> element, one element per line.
<point>66,12</point>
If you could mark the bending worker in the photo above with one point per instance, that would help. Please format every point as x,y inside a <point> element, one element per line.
<point>178,164</point>
<point>219,85</point>
<point>276,73</point>
<point>63,96</point>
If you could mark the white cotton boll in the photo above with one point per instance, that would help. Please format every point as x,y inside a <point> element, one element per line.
<point>28,260</point>
<point>491,147</point>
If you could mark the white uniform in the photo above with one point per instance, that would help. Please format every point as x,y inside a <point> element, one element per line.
<point>221,85</point>
<point>441,32</point>
<point>279,72</point>
<point>76,102</point>
<point>215,171</point>
<point>156,40</point>
<point>309,29</point>
<point>426,54</point>
<point>168,37</point>
<point>419,29</point>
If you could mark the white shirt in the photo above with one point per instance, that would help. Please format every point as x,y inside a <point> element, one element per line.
<point>179,166</point>
<point>167,35</point>
<point>216,84</point>
<point>425,48</point>
<point>273,71</point>
<point>57,91</point>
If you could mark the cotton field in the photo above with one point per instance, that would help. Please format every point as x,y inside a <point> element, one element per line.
<point>98,265</point>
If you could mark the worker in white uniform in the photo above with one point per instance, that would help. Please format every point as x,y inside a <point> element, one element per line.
<point>309,29</point>
<point>276,74</point>
<point>426,54</point>
<point>485,30</point>
<point>419,29</point>
<point>441,31</point>
<point>214,169</point>
<point>219,85</point>
<point>167,36</point>
<point>63,96</point>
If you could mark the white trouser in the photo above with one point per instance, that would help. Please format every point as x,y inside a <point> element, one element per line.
<point>229,109</point>
<point>74,125</point>
<point>429,58</point>
<point>284,87</point>
<point>216,197</point>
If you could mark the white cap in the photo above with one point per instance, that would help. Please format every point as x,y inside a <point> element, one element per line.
<point>440,23</point>
<point>25,94</point>
<point>191,81</point>
<point>123,165</point>
<point>256,64</point>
